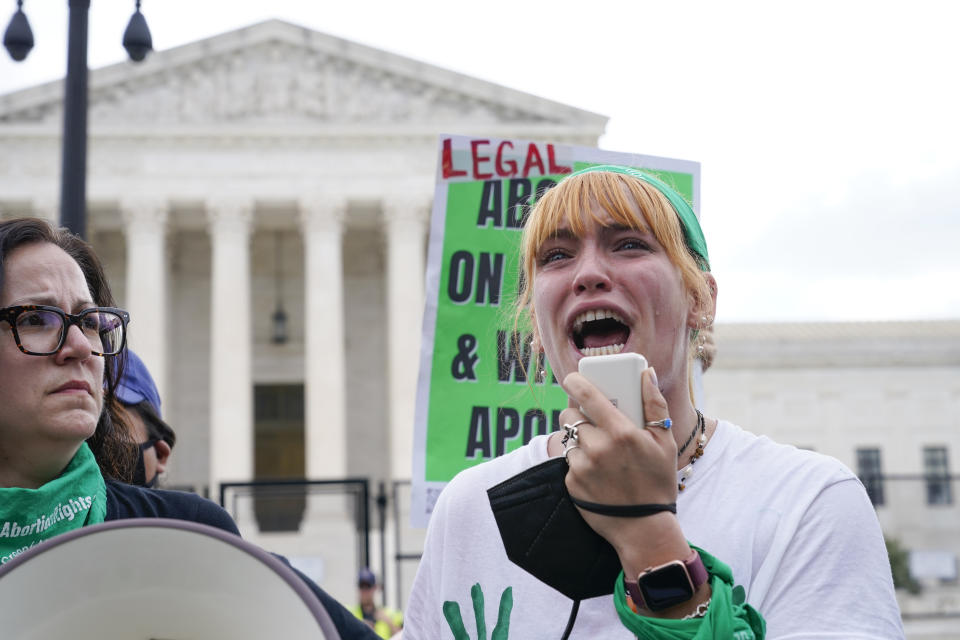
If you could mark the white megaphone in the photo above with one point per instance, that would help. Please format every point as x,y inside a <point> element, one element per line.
<point>155,578</point>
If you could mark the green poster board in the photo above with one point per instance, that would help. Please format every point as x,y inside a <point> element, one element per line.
<point>478,394</point>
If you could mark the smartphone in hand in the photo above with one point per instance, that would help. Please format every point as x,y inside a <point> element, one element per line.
<point>619,377</point>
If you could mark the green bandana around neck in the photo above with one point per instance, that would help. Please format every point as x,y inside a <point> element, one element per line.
<point>728,615</point>
<point>76,498</point>
<point>692,232</point>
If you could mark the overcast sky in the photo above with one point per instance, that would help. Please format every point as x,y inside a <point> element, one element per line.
<point>828,132</point>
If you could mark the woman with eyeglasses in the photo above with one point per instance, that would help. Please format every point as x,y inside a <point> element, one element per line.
<point>64,460</point>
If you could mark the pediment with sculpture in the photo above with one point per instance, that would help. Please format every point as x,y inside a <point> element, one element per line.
<point>272,75</point>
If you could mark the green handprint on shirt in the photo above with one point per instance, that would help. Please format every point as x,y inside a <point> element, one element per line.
<point>451,611</point>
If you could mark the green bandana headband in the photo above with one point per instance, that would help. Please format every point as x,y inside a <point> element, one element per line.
<point>76,498</point>
<point>692,232</point>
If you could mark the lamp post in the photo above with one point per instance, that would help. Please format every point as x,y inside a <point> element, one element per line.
<point>18,40</point>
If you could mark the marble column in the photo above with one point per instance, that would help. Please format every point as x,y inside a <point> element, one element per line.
<point>325,385</point>
<point>145,227</point>
<point>231,386</point>
<point>405,221</point>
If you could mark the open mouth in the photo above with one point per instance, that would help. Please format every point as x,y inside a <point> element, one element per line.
<point>600,332</point>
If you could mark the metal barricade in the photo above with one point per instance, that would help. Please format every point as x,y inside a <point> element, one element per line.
<point>321,526</point>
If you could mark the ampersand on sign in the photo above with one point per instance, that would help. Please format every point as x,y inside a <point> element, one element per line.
<point>466,358</point>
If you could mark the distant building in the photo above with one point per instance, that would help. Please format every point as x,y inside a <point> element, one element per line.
<point>882,397</point>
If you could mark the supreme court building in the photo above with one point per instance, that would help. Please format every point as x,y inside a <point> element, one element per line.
<point>270,168</point>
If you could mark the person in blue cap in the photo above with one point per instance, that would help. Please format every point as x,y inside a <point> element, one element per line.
<point>140,400</point>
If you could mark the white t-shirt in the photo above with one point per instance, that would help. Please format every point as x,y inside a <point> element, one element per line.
<point>796,528</point>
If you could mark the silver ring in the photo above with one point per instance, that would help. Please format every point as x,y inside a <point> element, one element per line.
<point>568,450</point>
<point>666,423</point>
<point>572,432</point>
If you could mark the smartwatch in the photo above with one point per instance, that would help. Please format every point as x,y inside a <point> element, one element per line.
<point>659,588</point>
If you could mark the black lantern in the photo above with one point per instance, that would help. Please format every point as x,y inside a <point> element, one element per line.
<point>278,334</point>
<point>136,39</point>
<point>279,324</point>
<point>18,38</point>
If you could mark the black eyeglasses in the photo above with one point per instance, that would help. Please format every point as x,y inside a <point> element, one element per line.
<point>42,331</point>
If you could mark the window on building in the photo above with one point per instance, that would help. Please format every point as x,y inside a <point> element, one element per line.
<point>871,474</point>
<point>936,472</point>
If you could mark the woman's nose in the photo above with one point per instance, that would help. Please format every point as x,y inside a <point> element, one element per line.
<point>593,271</point>
<point>75,345</point>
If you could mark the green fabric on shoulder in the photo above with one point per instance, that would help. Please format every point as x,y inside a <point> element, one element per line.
<point>76,498</point>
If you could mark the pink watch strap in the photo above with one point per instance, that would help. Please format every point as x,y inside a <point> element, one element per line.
<point>698,572</point>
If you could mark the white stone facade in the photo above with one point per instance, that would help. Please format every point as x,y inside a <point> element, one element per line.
<point>836,387</point>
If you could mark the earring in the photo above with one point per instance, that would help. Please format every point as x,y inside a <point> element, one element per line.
<point>541,374</point>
